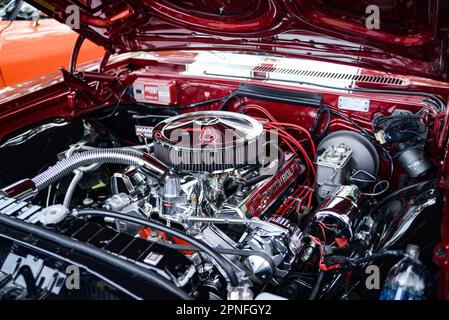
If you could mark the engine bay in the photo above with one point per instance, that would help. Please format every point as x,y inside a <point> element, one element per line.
<point>241,201</point>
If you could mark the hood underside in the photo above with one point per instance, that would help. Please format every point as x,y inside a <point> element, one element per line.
<point>411,38</point>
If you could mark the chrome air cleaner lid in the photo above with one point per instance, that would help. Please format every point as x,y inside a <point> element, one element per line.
<point>207,141</point>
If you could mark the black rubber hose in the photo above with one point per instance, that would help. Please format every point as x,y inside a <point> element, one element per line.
<point>94,252</point>
<point>395,193</point>
<point>221,262</point>
<point>30,282</point>
<point>233,252</point>
<point>380,255</point>
<point>317,286</point>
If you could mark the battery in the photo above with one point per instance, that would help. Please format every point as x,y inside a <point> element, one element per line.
<point>161,92</point>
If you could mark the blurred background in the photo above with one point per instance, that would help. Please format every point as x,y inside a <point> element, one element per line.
<point>32,45</point>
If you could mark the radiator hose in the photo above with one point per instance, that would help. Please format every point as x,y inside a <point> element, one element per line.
<point>26,189</point>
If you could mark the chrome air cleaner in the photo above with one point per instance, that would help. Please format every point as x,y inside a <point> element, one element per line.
<point>209,141</point>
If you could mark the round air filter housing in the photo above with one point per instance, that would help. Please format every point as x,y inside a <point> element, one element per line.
<point>208,141</point>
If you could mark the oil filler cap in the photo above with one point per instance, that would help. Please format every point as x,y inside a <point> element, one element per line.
<point>53,215</point>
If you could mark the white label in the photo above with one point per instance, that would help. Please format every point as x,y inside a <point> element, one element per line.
<point>144,131</point>
<point>153,258</point>
<point>353,104</point>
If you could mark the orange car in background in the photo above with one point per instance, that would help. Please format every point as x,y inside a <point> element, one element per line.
<point>32,45</point>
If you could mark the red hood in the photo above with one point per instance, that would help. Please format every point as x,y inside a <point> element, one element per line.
<point>411,38</point>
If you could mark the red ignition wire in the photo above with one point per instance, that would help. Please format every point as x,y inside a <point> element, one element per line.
<point>288,139</point>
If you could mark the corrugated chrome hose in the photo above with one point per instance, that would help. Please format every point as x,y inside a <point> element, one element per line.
<point>112,156</point>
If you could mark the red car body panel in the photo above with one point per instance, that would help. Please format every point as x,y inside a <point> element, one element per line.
<point>28,50</point>
<point>411,37</point>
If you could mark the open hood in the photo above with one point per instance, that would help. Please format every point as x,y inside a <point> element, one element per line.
<point>412,34</point>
